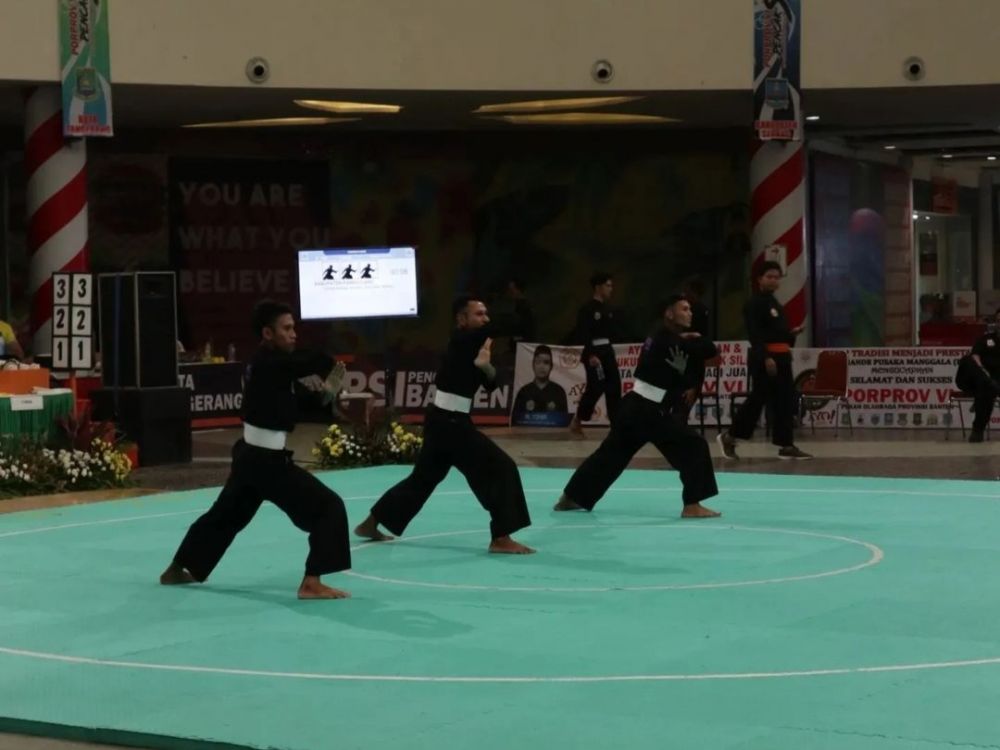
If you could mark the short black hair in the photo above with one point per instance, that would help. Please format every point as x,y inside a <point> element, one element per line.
<point>541,349</point>
<point>462,301</point>
<point>599,277</point>
<point>669,302</point>
<point>769,265</point>
<point>265,313</point>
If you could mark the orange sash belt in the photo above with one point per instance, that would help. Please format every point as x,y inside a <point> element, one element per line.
<point>778,348</point>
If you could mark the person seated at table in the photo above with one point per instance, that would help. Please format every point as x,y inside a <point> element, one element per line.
<point>9,346</point>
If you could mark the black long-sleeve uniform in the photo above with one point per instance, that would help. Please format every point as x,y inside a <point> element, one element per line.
<point>642,421</point>
<point>596,323</point>
<point>259,474</point>
<point>768,331</point>
<point>450,439</point>
<point>981,382</point>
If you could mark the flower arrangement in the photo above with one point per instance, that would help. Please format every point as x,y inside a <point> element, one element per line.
<point>342,447</point>
<point>29,469</point>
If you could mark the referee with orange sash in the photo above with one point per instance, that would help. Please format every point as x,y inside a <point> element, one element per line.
<point>770,365</point>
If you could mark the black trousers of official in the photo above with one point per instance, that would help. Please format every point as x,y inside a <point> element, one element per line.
<point>259,474</point>
<point>975,381</point>
<point>610,385</point>
<point>641,421</point>
<point>775,391</point>
<point>450,439</point>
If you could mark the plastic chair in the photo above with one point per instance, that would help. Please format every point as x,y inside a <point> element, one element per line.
<point>830,382</point>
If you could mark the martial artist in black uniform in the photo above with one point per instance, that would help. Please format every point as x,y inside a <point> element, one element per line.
<point>595,330</point>
<point>450,439</point>
<point>770,365</point>
<point>263,470</point>
<point>645,418</point>
<point>979,375</point>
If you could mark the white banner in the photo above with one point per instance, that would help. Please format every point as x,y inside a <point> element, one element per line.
<point>887,387</point>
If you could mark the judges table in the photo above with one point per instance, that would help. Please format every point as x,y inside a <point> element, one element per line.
<point>34,415</point>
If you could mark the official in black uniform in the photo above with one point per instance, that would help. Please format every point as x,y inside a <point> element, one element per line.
<point>645,418</point>
<point>595,330</point>
<point>450,439</point>
<point>263,470</point>
<point>979,375</point>
<point>770,365</point>
<point>541,394</point>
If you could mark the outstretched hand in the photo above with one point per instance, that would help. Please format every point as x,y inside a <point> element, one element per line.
<point>334,382</point>
<point>678,359</point>
<point>483,358</point>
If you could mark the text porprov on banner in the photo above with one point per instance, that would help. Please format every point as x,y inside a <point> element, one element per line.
<point>906,387</point>
<point>85,68</point>
<point>777,43</point>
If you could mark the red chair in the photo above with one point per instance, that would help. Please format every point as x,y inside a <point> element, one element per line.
<point>830,382</point>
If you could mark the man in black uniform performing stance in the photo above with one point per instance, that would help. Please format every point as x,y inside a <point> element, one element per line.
<point>979,375</point>
<point>263,470</point>
<point>770,369</point>
<point>595,330</point>
<point>450,439</point>
<point>645,417</point>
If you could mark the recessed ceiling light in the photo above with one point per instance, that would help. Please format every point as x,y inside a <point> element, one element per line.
<point>991,158</point>
<point>547,105</point>
<point>945,156</point>
<point>349,108</point>
<point>916,216</point>
<point>583,118</point>
<point>889,148</point>
<point>273,122</point>
<point>812,118</point>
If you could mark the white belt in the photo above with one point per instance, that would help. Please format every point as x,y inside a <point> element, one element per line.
<point>650,392</point>
<point>600,342</point>
<point>451,402</point>
<point>261,438</point>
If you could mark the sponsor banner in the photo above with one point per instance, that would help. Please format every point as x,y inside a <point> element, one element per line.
<point>216,392</point>
<point>776,89</point>
<point>412,388</point>
<point>887,387</point>
<point>85,63</point>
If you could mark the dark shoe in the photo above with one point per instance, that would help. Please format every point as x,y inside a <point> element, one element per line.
<point>976,436</point>
<point>728,445</point>
<point>792,451</point>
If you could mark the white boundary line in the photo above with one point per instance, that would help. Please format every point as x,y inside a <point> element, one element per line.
<point>877,555</point>
<point>87,661</point>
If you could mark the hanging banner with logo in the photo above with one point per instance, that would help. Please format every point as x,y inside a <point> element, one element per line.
<point>777,46</point>
<point>85,65</point>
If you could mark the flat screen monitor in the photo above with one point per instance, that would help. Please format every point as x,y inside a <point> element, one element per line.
<point>361,282</point>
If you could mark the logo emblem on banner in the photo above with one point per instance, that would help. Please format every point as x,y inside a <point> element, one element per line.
<point>85,62</point>
<point>776,82</point>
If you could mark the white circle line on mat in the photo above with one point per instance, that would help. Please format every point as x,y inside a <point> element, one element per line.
<point>877,555</point>
<point>87,661</point>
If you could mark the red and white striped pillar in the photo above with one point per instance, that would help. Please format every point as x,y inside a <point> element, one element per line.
<point>56,170</point>
<point>777,207</point>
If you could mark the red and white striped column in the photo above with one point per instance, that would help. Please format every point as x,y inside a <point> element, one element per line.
<point>56,170</point>
<point>777,207</point>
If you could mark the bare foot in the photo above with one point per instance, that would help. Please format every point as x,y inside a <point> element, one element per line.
<point>697,510</point>
<point>504,545</point>
<point>313,588</point>
<point>175,575</point>
<point>566,504</point>
<point>369,530</point>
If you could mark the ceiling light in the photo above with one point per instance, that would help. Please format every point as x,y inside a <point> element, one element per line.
<point>583,118</point>
<point>916,216</point>
<point>945,156</point>
<point>812,118</point>
<point>349,108</point>
<point>547,105</point>
<point>991,158</point>
<point>889,148</point>
<point>273,122</point>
